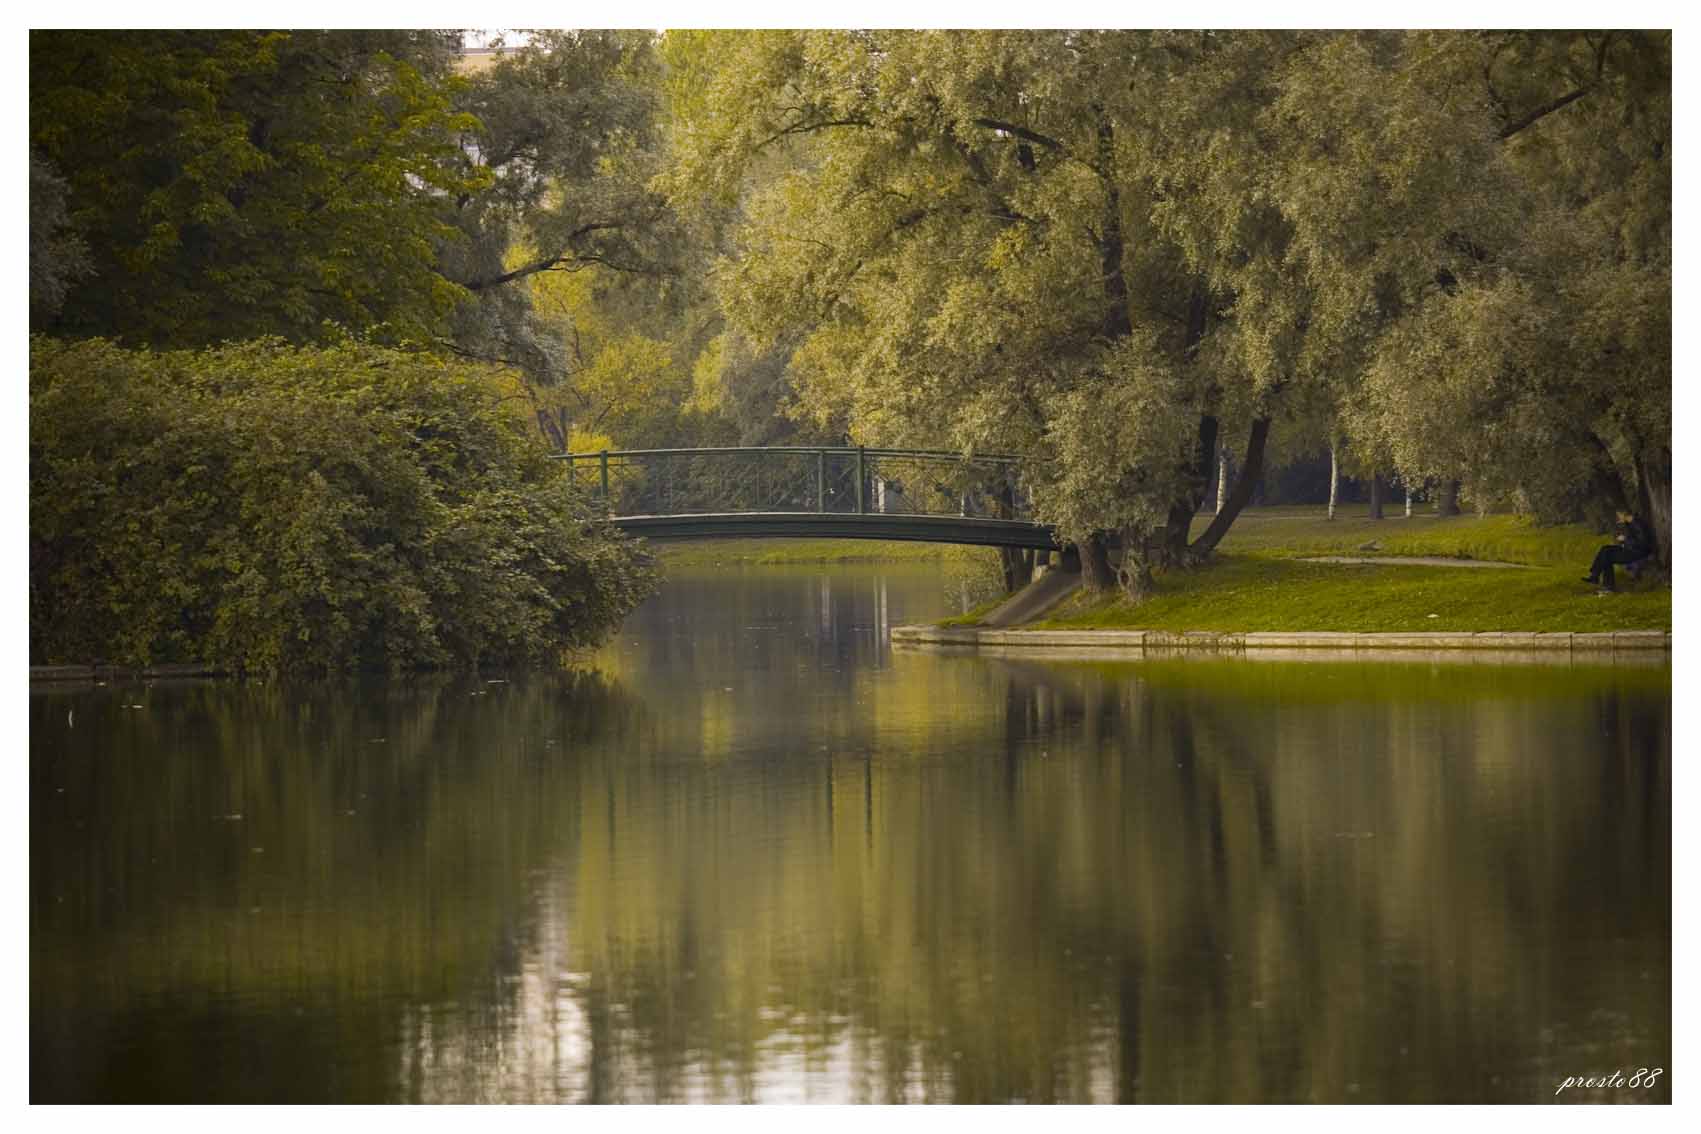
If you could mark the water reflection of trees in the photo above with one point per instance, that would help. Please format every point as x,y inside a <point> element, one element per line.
<point>1155,883</point>
<point>228,863</point>
<point>959,880</point>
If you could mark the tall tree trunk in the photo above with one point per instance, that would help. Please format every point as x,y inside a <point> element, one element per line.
<point>1653,477</point>
<point>1178,529</point>
<point>1606,486</point>
<point>1096,571</point>
<point>1017,565</point>
<point>554,432</point>
<point>1251,467</point>
<point>1117,321</point>
<point>1376,492</point>
<point>1334,478</point>
<point>1138,553</point>
<point>1408,487</point>
<point>1447,503</point>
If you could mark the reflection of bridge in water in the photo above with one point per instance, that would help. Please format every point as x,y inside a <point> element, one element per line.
<point>815,493</point>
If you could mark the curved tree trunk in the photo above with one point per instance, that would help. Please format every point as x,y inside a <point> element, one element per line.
<point>1251,467</point>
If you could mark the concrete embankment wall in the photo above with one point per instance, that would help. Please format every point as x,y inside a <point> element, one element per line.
<point>1166,641</point>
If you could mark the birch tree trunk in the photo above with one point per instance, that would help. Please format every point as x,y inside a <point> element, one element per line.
<point>1224,463</point>
<point>1334,479</point>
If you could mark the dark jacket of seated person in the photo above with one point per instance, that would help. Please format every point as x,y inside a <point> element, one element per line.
<point>1633,544</point>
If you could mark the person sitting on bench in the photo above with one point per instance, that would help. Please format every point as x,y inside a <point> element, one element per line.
<point>1632,546</point>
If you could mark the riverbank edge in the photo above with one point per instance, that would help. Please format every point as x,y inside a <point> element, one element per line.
<point>1169,640</point>
<point>122,672</point>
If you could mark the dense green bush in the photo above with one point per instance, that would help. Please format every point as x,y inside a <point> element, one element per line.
<point>305,510</point>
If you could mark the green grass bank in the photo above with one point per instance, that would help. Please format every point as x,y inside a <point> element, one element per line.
<point>1261,582</point>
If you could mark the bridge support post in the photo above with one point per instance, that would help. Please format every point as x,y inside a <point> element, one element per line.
<point>602,460</point>
<point>861,490</point>
<point>820,480</point>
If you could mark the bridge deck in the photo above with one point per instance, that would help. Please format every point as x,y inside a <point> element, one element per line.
<point>830,525</point>
<point>821,493</point>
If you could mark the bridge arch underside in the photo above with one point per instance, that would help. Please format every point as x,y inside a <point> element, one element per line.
<point>819,525</point>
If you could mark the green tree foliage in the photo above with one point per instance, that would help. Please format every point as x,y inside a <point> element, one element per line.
<point>567,141</point>
<point>1539,365</point>
<point>239,183</point>
<point>1022,240</point>
<point>301,509</point>
<point>584,282</point>
<point>972,239</point>
<point>1117,252</point>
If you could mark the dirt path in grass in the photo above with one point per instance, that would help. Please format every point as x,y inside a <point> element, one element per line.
<point>1412,560</point>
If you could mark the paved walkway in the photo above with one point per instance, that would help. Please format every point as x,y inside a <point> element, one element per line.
<point>1413,560</point>
<point>1034,599</point>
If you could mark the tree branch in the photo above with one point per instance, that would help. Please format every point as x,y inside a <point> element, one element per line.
<point>474,356</point>
<point>578,263</point>
<point>545,263</point>
<point>810,128</point>
<point>1002,209</point>
<point>1563,100</point>
<point>1023,133</point>
<point>1543,111</point>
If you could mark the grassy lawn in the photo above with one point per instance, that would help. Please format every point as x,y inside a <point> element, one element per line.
<point>1259,584</point>
<point>1250,593</point>
<point>1306,530</point>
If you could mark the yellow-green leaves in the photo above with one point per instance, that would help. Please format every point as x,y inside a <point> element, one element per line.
<point>270,508</point>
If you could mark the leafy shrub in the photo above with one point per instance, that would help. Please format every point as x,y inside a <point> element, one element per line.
<point>271,508</point>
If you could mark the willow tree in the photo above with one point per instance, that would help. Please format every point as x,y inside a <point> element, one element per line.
<point>964,242</point>
<point>1540,365</point>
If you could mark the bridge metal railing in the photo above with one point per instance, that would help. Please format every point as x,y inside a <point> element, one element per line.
<point>827,481</point>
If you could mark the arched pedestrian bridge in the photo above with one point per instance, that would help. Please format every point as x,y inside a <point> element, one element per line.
<point>815,493</point>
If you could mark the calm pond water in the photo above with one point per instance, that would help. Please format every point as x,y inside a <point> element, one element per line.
<point>752,853</point>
